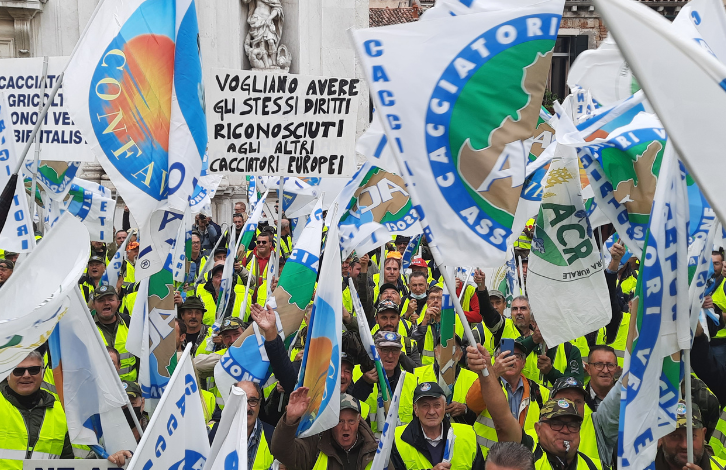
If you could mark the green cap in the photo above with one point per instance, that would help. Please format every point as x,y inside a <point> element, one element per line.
<point>133,390</point>
<point>682,422</point>
<point>193,302</point>
<point>230,323</point>
<point>102,291</point>
<point>555,408</point>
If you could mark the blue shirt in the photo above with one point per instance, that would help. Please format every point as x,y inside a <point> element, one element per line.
<point>515,397</point>
<point>253,443</point>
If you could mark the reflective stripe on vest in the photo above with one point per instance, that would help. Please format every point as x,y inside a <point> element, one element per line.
<point>14,438</point>
<point>127,360</point>
<point>718,438</point>
<point>465,449</point>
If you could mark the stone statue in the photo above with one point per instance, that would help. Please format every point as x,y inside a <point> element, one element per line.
<point>263,42</point>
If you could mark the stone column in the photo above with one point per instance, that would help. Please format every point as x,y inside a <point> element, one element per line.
<point>23,13</point>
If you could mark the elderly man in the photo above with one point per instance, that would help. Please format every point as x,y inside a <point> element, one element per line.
<point>555,441</point>
<point>350,445</point>
<point>114,328</point>
<point>415,304</point>
<point>524,397</point>
<point>34,423</point>
<point>423,442</point>
<point>285,238</point>
<point>6,270</point>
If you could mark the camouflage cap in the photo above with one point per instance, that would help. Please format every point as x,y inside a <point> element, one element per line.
<point>387,339</point>
<point>555,408</point>
<point>231,323</point>
<point>7,263</point>
<point>385,306</point>
<point>193,302</point>
<point>682,422</point>
<point>102,291</point>
<point>496,293</point>
<point>95,258</point>
<point>564,383</point>
<point>133,390</point>
<point>348,402</point>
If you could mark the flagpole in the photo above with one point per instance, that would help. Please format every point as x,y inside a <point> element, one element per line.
<point>280,194</point>
<point>34,184</point>
<point>463,285</point>
<point>689,404</point>
<point>120,386</point>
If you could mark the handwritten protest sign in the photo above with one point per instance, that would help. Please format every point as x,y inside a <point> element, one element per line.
<point>22,82</point>
<point>281,124</point>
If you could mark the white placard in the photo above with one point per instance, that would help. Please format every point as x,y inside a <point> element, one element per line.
<point>281,124</point>
<point>69,464</point>
<point>21,80</point>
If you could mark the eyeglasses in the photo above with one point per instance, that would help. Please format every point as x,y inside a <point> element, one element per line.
<point>20,371</point>
<point>520,356</point>
<point>602,365</point>
<point>262,243</point>
<point>572,426</point>
<point>253,402</point>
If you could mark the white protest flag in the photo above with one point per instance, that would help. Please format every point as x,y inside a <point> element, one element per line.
<point>320,367</point>
<point>385,444</point>
<point>29,314</point>
<point>699,262</point>
<point>113,270</point>
<point>229,451</point>
<point>654,50</point>
<point>705,22</point>
<point>447,8</point>
<point>156,239</point>
<point>93,204</point>
<point>565,279</point>
<point>374,205</point>
<point>17,235</point>
<point>176,436</point>
<point>228,276</point>
<point>201,199</point>
<point>431,79</point>
<point>604,72</point>
<point>662,304</point>
<point>152,335</point>
<point>177,259</point>
<point>373,144</point>
<point>134,89</point>
<point>91,386</point>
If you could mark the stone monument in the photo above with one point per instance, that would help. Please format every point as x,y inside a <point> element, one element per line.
<point>263,44</point>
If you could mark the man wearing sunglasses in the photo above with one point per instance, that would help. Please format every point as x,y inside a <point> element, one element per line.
<point>524,397</point>
<point>555,439</point>
<point>34,424</point>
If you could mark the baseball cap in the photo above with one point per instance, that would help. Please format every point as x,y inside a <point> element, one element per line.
<point>133,390</point>
<point>519,342</point>
<point>394,255</point>
<point>230,323</point>
<point>386,305</point>
<point>387,286</point>
<point>132,245</point>
<point>682,422</point>
<point>220,251</point>
<point>564,383</point>
<point>427,389</point>
<point>419,263</point>
<point>95,258</point>
<point>555,408</point>
<point>400,239</point>
<point>387,339</point>
<point>496,293</point>
<point>193,302</point>
<point>102,291</point>
<point>348,402</point>
<point>345,357</point>
<point>7,263</point>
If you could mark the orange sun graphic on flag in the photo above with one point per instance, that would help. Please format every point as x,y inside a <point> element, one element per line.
<point>146,87</point>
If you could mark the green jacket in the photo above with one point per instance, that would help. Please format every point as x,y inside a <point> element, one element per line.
<point>33,417</point>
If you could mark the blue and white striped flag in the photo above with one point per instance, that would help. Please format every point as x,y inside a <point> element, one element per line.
<point>648,412</point>
<point>113,270</point>
<point>229,450</point>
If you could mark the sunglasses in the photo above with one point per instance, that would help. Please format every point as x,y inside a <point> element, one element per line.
<point>262,243</point>
<point>20,371</point>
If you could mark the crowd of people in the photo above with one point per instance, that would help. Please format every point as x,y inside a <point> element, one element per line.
<point>538,406</point>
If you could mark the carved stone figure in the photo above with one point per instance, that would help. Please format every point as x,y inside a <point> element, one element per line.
<point>263,45</point>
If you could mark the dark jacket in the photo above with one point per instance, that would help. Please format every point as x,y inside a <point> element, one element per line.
<point>301,454</point>
<point>708,369</point>
<point>413,435</point>
<point>34,416</point>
